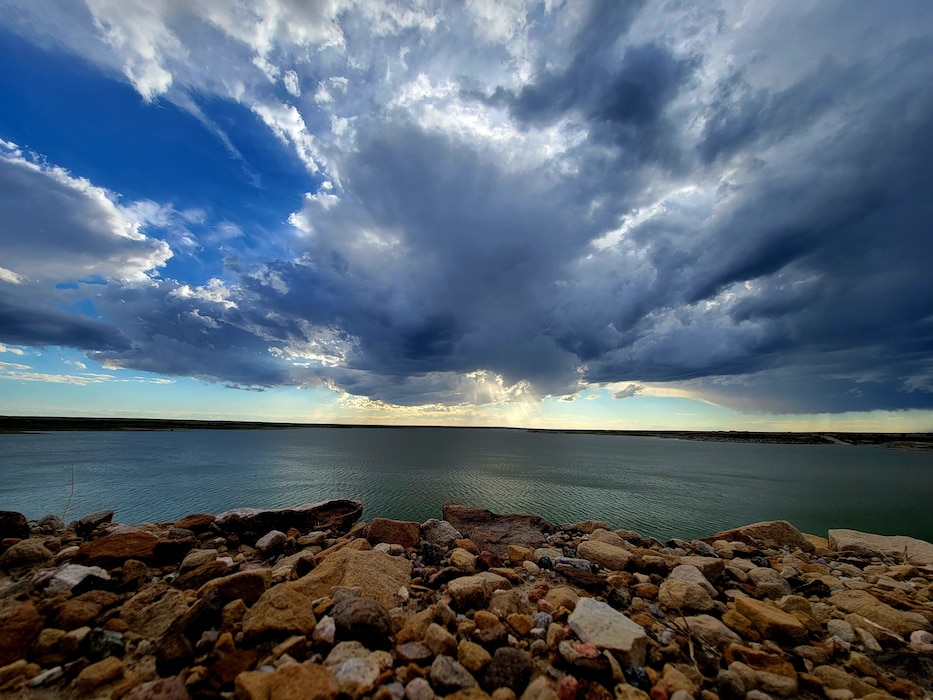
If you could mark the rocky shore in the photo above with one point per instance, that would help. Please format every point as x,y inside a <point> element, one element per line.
<point>312,602</point>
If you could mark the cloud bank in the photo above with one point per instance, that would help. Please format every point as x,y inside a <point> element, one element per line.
<point>507,201</point>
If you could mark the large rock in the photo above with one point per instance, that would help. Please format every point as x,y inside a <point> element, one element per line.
<point>475,591</point>
<point>710,629</point>
<point>605,555</point>
<point>680,594</point>
<point>83,527</point>
<point>13,524</point>
<point>247,586</point>
<point>771,622</point>
<point>280,610</point>
<point>363,620</point>
<point>70,575</point>
<point>305,681</point>
<point>599,624</point>
<point>19,625</point>
<point>898,547</point>
<point>25,553</point>
<point>403,532</point>
<point>378,575</point>
<point>495,532</point>
<point>251,523</point>
<point>439,532</point>
<point>122,543</point>
<point>771,533</point>
<point>865,604</point>
<point>153,610</point>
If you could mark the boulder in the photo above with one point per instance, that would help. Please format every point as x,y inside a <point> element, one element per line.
<point>439,532</point>
<point>305,681</point>
<point>20,622</point>
<point>865,604</point>
<point>25,553</point>
<point>378,575</point>
<point>271,542</point>
<point>494,532</point>
<point>121,543</point>
<point>152,611</point>
<point>897,547</point>
<point>402,532</point>
<point>475,591</point>
<point>599,624</point>
<point>771,533</point>
<point>13,524</point>
<point>364,620</point>
<point>247,586</point>
<point>771,622</point>
<point>197,522</point>
<point>680,594</point>
<point>280,610</point>
<point>250,523</point>
<point>605,555</point>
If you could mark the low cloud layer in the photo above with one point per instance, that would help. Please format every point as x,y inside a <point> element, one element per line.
<point>509,201</point>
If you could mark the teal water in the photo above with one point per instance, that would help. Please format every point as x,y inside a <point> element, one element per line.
<point>660,487</point>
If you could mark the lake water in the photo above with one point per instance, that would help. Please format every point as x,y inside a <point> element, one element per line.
<point>660,487</point>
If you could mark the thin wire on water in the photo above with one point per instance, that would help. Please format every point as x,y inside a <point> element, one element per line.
<point>71,495</point>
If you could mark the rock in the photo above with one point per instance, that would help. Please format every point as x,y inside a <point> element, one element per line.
<point>711,567</point>
<point>605,555</point>
<point>69,576</point>
<point>305,681</point>
<point>401,532</point>
<point>271,542</point>
<point>13,524</point>
<point>712,630</point>
<point>865,604</point>
<point>356,677</point>
<point>20,623</point>
<point>25,553</point>
<point>768,582</point>
<point>474,591</point>
<point>509,668</point>
<point>473,656</point>
<point>50,523</point>
<point>83,527</point>
<point>773,533</point>
<point>771,622</point>
<point>440,641</point>
<point>101,673</point>
<point>196,578</point>
<point>98,644</point>
<point>197,522</point>
<point>590,526</point>
<point>543,689</point>
<point>440,532</point>
<point>171,688</point>
<point>419,689</point>
<point>364,620</point>
<point>448,675</point>
<point>123,543</point>
<point>677,594</point>
<point>688,572</point>
<point>76,613</point>
<point>897,547</point>
<point>413,652</point>
<point>463,561</point>
<point>763,681</point>
<point>280,610</point>
<point>196,558</point>
<point>246,585</point>
<point>153,610</point>
<point>597,623</point>
<point>494,532</point>
<point>378,575</point>
<point>837,679</point>
<point>562,597</point>
<point>843,630</point>
<point>335,515</point>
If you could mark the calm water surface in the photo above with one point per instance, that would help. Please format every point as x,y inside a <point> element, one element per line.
<point>660,487</point>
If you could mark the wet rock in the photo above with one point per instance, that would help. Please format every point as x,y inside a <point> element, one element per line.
<point>597,623</point>
<point>83,527</point>
<point>13,524</point>
<point>400,532</point>
<point>20,623</point>
<point>509,668</point>
<point>280,610</point>
<point>123,543</point>
<point>25,553</point>
<point>605,555</point>
<point>364,620</point>
<point>379,576</point>
<point>772,533</point>
<point>449,675</point>
<point>335,515</point>
<point>494,532</point>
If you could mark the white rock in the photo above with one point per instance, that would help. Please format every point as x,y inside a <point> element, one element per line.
<point>598,623</point>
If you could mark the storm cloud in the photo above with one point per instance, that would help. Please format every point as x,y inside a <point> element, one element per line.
<point>518,202</point>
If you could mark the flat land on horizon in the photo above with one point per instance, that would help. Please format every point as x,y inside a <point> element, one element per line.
<point>30,424</point>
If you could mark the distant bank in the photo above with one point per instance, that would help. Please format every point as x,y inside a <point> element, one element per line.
<point>28,424</point>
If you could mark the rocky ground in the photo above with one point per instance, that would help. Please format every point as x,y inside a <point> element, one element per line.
<point>311,603</point>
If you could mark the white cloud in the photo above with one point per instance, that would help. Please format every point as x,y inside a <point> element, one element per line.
<point>290,80</point>
<point>11,277</point>
<point>12,351</point>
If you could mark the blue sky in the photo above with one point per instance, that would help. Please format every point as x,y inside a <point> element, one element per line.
<point>709,215</point>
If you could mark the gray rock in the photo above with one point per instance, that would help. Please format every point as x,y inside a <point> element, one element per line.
<point>712,630</point>
<point>356,677</point>
<point>843,630</point>
<point>85,526</point>
<point>598,623</point>
<point>449,676</point>
<point>419,689</point>
<point>509,668</point>
<point>439,532</point>
<point>686,572</point>
<point>271,542</point>
<point>769,583</point>
<point>50,523</point>
<point>363,620</point>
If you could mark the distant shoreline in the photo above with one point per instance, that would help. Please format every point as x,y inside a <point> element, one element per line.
<point>43,424</point>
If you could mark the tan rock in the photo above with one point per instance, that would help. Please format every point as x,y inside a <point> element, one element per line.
<point>517,554</point>
<point>152,611</point>
<point>677,594</point>
<point>772,533</point>
<point>771,622</point>
<point>378,575</point>
<point>463,560</point>
<point>439,640</point>
<point>711,567</point>
<point>899,547</point>
<point>598,623</point>
<point>835,678</point>
<point>472,656</point>
<point>280,610</point>
<point>305,681</point>
<point>562,597</point>
<point>711,630</point>
<point>25,553</point>
<point>605,555</point>
<point>735,620</point>
<point>101,673</point>
<point>624,691</point>
<point>474,591</point>
<point>197,522</point>
<point>865,604</point>
<point>248,585</point>
<point>20,623</point>
<point>122,543</point>
<point>403,532</point>
<point>522,624</point>
<point>541,688</point>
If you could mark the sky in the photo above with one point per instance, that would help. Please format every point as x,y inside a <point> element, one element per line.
<point>688,214</point>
